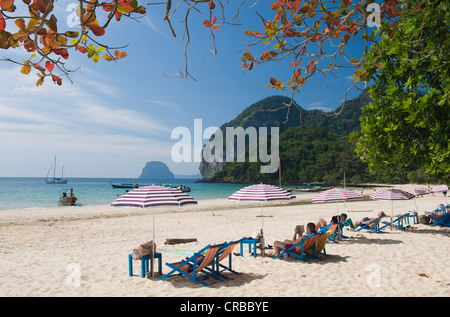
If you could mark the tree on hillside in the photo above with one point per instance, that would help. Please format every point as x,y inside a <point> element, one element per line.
<point>408,122</point>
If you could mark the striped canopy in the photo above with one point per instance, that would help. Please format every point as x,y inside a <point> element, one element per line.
<point>440,189</point>
<point>261,192</point>
<point>417,191</point>
<point>336,194</point>
<point>152,196</point>
<point>391,194</point>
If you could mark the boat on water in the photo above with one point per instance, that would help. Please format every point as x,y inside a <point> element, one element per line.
<point>311,189</point>
<point>124,185</point>
<point>308,189</point>
<point>182,187</point>
<point>54,179</point>
<point>67,198</point>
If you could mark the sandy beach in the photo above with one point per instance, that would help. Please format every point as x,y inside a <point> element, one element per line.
<point>83,251</point>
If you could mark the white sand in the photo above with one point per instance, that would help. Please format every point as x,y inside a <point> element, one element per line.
<point>83,251</point>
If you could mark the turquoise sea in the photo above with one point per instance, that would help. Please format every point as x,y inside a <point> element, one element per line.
<point>34,192</point>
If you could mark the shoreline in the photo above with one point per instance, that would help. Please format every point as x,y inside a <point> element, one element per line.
<point>41,247</point>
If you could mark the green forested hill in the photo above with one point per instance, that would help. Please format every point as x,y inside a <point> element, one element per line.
<point>314,146</point>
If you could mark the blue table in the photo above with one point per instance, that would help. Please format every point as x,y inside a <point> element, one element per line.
<point>144,264</point>
<point>250,242</point>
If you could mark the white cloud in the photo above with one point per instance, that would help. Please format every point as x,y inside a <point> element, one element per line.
<point>92,128</point>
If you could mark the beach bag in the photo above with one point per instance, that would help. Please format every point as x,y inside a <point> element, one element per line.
<point>144,249</point>
<point>425,220</point>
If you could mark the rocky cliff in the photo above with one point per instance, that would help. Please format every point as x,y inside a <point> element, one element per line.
<point>156,170</point>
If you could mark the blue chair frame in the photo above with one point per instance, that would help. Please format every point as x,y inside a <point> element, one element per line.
<point>376,227</point>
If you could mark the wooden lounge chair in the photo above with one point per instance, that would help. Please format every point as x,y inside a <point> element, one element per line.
<point>304,245</point>
<point>192,266</point>
<point>373,225</point>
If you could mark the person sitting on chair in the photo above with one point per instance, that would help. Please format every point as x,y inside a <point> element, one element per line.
<point>366,220</point>
<point>286,244</point>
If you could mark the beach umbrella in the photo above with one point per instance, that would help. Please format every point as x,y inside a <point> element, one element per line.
<point>336,195</point>
<point>261,193</point>
<point>392,194</point>
<point>417,192</point>
<point>153,196</point>
<point>441,189</point>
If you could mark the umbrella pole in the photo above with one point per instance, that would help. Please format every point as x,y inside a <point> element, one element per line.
<point>262,230</point>
<point>153,244</point>
<point>392,212</point>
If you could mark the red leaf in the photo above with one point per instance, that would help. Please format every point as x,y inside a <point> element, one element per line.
<point>61,51</point>
<point>29,46</point>
<point>346,2</point>
<point>214,20</point>
<point>57,80</point>
<point>49,66</point>
<point>81,49</point>
<point>212,6</point>
<point>207,23</point>
<point>256,34</point>
<point>312,69</point>
<point>96,29</point>
<point>2,22</point>
<point>250,66</point>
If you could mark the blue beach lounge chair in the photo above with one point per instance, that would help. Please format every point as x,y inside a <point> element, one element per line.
<point>373,225</point>
<point>442,221</point>
<point>321,242</point>
<point>225,252</point>
<point>300,248</point>
<point>396,223</point>
<point>192,266</point>
<point>332,232</point>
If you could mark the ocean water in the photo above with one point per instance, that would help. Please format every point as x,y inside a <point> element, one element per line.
<point>22,192</point>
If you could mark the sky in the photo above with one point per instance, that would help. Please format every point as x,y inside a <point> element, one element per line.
<point>115,117</point>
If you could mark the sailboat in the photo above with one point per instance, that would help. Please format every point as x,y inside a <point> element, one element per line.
<point>54,180</point>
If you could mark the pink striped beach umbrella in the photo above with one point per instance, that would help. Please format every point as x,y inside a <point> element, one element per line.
<point>392,194</point>
<point>153,196</point>
<point>336,195</point>
<point>418,191</point>
<point>441,189</point>
<point>261,193</point>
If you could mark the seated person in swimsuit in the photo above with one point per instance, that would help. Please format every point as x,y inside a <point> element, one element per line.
<point>298,236</point>
<point>366,220</point>
<point>346,221</point>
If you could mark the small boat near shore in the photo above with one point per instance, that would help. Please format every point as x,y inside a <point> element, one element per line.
<point>67,198</point>
<point>124,185</point>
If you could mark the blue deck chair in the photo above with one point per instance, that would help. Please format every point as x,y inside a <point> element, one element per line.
<point>305,244</point>
<point>333,232</point>
<point>375,222</point>
<point>443,221</point>
<point>396,223</point>
<point>224,252</point>
<point>192,266</point>
<point>319,247</point>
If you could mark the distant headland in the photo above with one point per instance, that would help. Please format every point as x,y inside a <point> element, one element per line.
<point>156,170</point>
